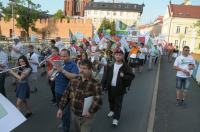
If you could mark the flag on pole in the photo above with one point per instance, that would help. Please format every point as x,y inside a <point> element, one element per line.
<point>96,38</point>
<point>72,37</point>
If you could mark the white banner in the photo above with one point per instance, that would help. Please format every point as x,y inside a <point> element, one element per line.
<point>10,116</point>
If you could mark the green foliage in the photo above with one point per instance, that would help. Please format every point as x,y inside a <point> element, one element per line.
<point>1,5</point>
<point>25,12</point>
<point>107,25</point>
<point>197,25</point>
<point>113,31</point>
<point>59,15</point>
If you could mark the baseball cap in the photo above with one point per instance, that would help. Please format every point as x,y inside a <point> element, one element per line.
<point>119,50</point>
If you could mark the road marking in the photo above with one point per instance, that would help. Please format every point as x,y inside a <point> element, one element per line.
<point>151,119</point>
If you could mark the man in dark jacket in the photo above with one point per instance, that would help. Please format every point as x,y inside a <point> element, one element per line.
<point>119,77</point>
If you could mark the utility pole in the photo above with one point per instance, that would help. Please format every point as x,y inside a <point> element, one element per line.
<point>12,2</point>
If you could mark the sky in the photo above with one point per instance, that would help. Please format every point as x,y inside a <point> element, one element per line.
<point>152,9</point>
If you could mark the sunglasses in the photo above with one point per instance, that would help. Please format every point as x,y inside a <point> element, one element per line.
<point>21,61</point>
<point>187,50</point>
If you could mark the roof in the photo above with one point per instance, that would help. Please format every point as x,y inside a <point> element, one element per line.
<point>114,6</point>
<point>184,11</point>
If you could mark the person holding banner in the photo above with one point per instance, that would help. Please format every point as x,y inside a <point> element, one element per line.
<point>183,64</point>
<point>22,88</point>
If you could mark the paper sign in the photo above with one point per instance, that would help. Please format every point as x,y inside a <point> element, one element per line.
<point>10,116</point>
<point>87,103</point>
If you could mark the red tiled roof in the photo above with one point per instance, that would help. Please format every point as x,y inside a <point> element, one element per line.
<point>184,11</point>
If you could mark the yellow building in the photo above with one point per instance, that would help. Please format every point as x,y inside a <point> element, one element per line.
<point>178,25</point>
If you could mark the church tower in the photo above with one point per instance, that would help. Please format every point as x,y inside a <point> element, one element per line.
<point>74,7</point>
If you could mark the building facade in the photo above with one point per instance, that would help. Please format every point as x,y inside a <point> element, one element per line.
<point>129,14</point>
<point>178,25</point>
<point>75,7</point>
<point>154,28</point>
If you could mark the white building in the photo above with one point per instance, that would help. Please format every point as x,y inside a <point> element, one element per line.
<point>129,14</point>
<point>178,25</point>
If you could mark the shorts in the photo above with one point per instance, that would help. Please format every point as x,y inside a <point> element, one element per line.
<point>141,62</point>
<point>182,83</point>
<point>134,62</point>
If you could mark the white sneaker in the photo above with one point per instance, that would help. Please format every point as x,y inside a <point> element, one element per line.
<point>110,114</point>
<point>115,122</point>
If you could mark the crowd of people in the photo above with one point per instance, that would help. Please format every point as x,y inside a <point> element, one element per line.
<point>79,74</point>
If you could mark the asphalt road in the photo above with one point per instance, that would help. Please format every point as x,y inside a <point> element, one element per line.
<point>134,116</point>
<point>172,118</point>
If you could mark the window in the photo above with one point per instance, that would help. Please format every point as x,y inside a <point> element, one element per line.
<point>114,13</point>
<point>178,29</point>
<point>184,43</point>
<point>108,13</point>
<point>176,42</point>
<point>186,30</point>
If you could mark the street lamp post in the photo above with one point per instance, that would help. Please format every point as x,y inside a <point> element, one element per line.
<point>12,2</point>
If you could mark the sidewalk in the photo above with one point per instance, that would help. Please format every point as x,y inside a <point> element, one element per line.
<point>172,118</point>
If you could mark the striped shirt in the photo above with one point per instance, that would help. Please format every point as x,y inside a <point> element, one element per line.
<point>78,91</point>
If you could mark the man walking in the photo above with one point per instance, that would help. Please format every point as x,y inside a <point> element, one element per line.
<point>183,64</point>
<point>119,77</point>
<point>83,89</point>
<point>67,71</point>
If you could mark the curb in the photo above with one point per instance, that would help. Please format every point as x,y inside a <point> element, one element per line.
<point>150,125</point>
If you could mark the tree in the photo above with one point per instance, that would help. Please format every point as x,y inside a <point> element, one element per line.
<point>26,14</point>
<point>113,29</point>
<point>197,25</point>
<point>59,15</point>
<point>107,25</point>
<point>1,5</point>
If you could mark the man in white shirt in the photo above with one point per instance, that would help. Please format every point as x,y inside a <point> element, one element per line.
<point>184,64</point>
<point>17,48</point>
<point>34,62</point>
<point>142,53</point>
<point>3,66</point>
<point>16,52</point>
<point>59,43</point>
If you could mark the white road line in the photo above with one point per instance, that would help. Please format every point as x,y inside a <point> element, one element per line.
<point>150,126</point>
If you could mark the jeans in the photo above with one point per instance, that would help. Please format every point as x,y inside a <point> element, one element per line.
<point>66,115</point>
<point>151,59</point>
<point>2,82</point>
